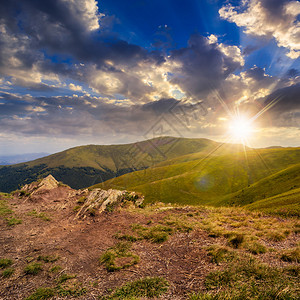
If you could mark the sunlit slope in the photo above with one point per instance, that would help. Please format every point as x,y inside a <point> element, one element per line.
<point>84,166</point>
<point>209,179</point>
<point>275,184</point>
<point>286,204</point>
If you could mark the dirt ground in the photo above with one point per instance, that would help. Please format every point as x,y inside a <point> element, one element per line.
<point>79,243</point>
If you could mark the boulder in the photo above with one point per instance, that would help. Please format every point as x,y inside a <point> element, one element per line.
<point>98,200</point>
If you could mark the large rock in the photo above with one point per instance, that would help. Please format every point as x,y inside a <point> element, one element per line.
<point>46,184</point>
<point>98,200</point>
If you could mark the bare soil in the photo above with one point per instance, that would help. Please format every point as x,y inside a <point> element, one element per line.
<point>182,259</point>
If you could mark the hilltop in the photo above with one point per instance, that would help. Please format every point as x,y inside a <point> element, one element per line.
<point>84,166</point>
<point>56,244</point>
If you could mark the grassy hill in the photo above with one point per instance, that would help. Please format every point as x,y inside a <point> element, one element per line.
<point>84,166</point>
<point>286,204</point>
<point>229,179</point>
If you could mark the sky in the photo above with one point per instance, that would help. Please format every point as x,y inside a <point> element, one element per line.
<point>76,72</point>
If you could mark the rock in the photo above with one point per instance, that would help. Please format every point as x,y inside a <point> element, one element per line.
<point>46,184</point>
<point>98,200</point>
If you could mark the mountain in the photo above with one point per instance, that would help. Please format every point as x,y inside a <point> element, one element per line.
<point>84,166</point>
<point>225,179</point>
<point>19,158</point>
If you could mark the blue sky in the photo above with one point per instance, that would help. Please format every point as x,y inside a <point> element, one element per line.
<point>81,71</point>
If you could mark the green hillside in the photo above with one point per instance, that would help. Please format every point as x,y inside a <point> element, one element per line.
<point>230,179</point>
<point>286,204</point>
<point>84,166</point>
<point>275,184</point>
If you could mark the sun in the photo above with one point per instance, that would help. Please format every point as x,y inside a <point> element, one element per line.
<point>240,129</point>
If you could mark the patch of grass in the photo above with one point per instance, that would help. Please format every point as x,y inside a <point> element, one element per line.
<point>4,209</point>
<point>5,262</point>
<point>220,254</point>
<point>126,237</point>
<point>256,248</point>
<point>64,277</point>
<point>119,257</point>
<point>72,290</point>
<point>247,278</point>
<point>81,200</point>
<point>180,224</point>
<point>276,236</point>
<point>13,221</point>
<point>110,207</point>
<point>42,293</point>
<point>292,255</point>
<point>48,258</point>
<point>155,234</point>
<point>41,215</point>
<point>76,208</point>
<point>55,269</point>
<point>24,193</point>
<point>236,240</point>
<point>147,287</point>
<point>8,272</point>
<point>33,268</point>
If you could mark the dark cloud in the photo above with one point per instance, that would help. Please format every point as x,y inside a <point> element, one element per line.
<point>203,66</point>
<point>79,116</point>
<point>287,98</point>
<point>286,109</point>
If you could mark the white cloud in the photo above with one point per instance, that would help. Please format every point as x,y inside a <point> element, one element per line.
<point>260,19</point>
<point>74,87</point>
<point>86,11</point>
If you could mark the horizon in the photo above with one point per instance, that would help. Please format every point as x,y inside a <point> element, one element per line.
<point>133,142</point>
<point>105,72</point>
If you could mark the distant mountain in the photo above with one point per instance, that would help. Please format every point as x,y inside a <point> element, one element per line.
<point>84,166</point>
<point>273,147</point>
<point>19,158</point>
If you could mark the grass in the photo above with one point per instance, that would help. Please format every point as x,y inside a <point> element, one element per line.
<point>71,290</point>
<point>147,287</point>
<point>64,277</point>
<point>4,209</point>
<point>220,254</point>
<point>292,255</point>
<point>242,179</point>
<point>81,200</point>
<point>5,262</point>
<point>8,272</point>
<point>119,257</point>
<point>247,278</point>
<point>13,221</point>
<point>33,268</point>
<point>42,293</point>
<point>63,288</point>
<point>155,234</point>
<point>79,166</point>
<point>256,248</point>
<point>41,215</point>
<point>48,258</point>
<point>55,269</point>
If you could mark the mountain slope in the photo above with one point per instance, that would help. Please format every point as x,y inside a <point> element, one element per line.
<point>87,165</point>
<point>216,180</point>
<point>286,204</point>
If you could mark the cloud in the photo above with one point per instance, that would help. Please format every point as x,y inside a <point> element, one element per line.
<point>76,88</point>
<point>277,19</point>
<point>203,65</point>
